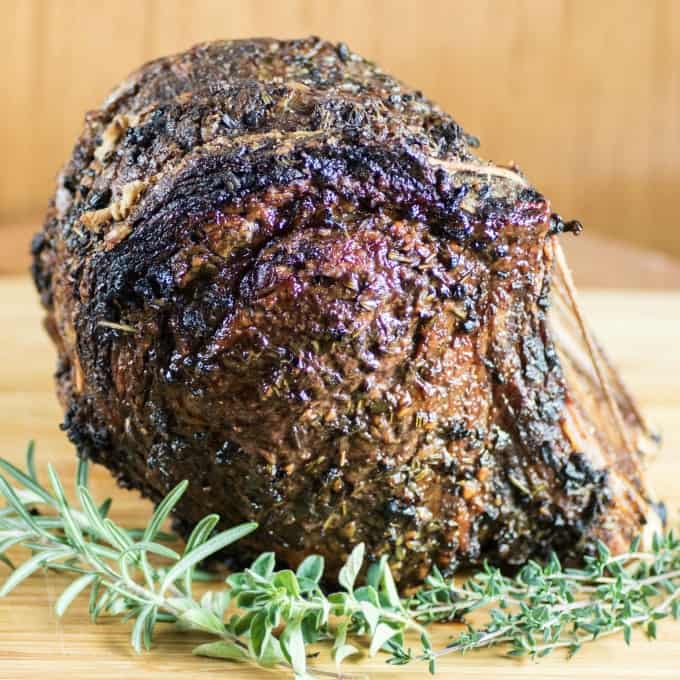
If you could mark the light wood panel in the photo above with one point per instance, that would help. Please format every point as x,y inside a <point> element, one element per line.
<point>584,95</point>
<point>641,330</point>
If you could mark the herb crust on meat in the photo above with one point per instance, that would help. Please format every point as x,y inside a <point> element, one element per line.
<point>274,270</point>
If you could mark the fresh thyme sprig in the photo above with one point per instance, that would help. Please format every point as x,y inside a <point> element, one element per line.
<point>270,617</point>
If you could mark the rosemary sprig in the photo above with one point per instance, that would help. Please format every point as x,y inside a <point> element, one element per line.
<point>270,617</point>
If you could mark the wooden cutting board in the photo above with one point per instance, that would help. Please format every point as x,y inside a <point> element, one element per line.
<point>641,332</point>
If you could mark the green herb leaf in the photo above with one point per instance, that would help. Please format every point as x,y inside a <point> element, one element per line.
<point>260,632</point>
<point>350,571</point>
<point>382,634</point>
<point>341,653</point>
<point>141,638</point>
<point>197,618</point>
<point>214,545</point>
<point>11,497</point>
<point>371,614</point>
<point>311,568</point>
<point>132,575</point>
<point>164,508</point>
<point>74,589</point>
<point>223,649</point>
<point>27,480</point>
<point>82,472</point>
<point>263,566</point>
<point>287,580</point>
<point>40,559</point>
<point>387,585</point>
<point>293,647</point>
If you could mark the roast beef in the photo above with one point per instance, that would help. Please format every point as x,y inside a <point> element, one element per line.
<point>274,270</point>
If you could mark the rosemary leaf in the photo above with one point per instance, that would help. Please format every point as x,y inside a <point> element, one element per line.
<point>269,617</point>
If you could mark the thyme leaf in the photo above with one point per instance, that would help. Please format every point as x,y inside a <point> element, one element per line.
<point>270,617</point>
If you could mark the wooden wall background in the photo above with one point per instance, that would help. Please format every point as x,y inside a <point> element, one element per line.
<point>583,94</point>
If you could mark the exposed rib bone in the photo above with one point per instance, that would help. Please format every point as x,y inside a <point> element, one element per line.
<point>593,350</point>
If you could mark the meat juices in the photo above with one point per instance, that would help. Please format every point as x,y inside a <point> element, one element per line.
<point>274,270</point>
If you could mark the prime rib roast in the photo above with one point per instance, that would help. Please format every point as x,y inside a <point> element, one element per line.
<point>274,270</point>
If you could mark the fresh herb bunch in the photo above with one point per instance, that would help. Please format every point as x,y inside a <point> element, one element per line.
<point>269,617</point>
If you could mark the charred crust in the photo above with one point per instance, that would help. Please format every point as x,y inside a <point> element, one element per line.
<point>282,274</point>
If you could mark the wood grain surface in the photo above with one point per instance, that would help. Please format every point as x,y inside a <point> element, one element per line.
<point>583,95</point>
<point>640,329</point>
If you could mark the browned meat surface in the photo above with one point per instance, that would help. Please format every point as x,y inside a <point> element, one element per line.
<point>274,270</point>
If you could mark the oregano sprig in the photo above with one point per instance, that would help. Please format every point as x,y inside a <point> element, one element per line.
<point>270,617</point>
